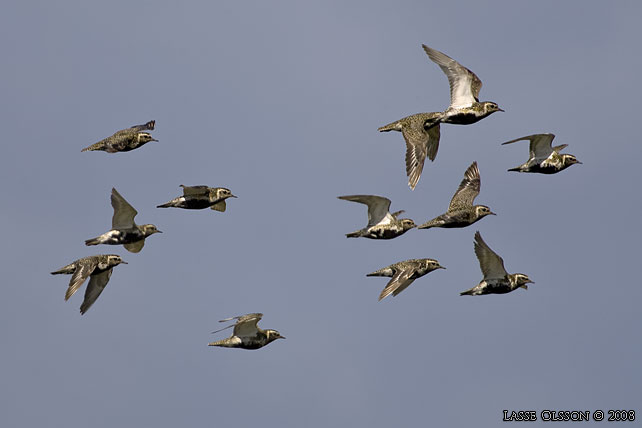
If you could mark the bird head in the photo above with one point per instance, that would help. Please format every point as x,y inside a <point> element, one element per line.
<point>434,264</point>
<point>569,160</point>
<point>407,224</point>
<point>490,107</point>
<point>223,193</point>
<point>145,137</point>
<point>521,280</point>
<point>483,211</point>
<point>115,260</point>
<point>149,229</point>
<point>272,335</point>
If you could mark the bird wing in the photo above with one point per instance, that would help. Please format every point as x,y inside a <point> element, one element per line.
<point>378,207</point>
<point>420,142</point>
<point>124,213</point>
<point>83,270</point>
<point>246,326</point>
<point>195,190</point>
<point>464,84</point>
<point>241,319</point>
<point>96,286</point>
<point>540,145</point>
<point>135,247</point>
<point>399,282</point>
<point>468,189</point>
<point>147,126</point>
<point>492,266</point>
<point>219,206</point>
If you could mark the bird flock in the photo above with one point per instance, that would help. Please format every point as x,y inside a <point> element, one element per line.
<point>421,133</point>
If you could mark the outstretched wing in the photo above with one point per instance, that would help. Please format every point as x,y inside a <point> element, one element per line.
<point>124,213</point>
<point>378,207</point>
<point>219,206</point>
<point>96,286</point>
<point>540,145</point>
<point>399,282</point>
<point>420,142</point>
<point>135,247</point>
<point>464,84</point>
<point>195,190</point>
<point>492,266</point>
<point>246,325</point>
<point>468,189</point>
<point>147,126</point>
<point>84,268</point>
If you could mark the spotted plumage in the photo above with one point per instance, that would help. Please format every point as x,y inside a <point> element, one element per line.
<point>199,197</point>
<point>247,334</point>
<point>97,268</point>
<point>125,139</point>
<point>462,212</point>
<point>381,224</point>
<point>465,107</point>
<point>421,132</point>
<point>496,279</point>
<point>123,228</point>
<point>404,273</point>
<point>543,157</point>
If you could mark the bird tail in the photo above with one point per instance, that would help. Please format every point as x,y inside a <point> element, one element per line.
<point>97,146</point>
<point>165,205</point>
<point>356,234</point>
<point>394,126</point>
<point>224,343</point>
<point>93,241</point>
<point>380,272</point>
<point>69,269</point>
<point>431,223</point>
<point>515,169</point>
<point>467,292</point>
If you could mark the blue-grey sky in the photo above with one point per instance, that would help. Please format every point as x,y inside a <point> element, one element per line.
<point>280,101</point>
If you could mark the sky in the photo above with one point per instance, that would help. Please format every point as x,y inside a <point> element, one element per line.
<point>280,102</point>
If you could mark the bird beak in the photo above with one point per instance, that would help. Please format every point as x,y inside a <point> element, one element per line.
<point>492,213</point>
<point>441,267</point>
<point>499,109</point>
<point>154,139</point>
<point>579,162</point>
<point>159,231</point>
<point>233,196</point>
<point>530,282</point>
<point>281,337</point>
<point>124,262</point>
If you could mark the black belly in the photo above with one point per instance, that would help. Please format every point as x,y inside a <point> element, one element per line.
<point>196,204</point>
<point>126,237</point>
<point>463,118</point>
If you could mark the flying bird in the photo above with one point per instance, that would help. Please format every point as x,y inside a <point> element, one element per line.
<point>125,139</point>
<point>404,273</point>
<point>247,334</point>
<point>543,157</point>
<point>381,224</point>
<point>421,132</point>
<point>461,211</point>
<point>200,197</point>
<point>97,268</point>
<point>465,107</point>
<point>123,228</point>
<point>496,279</point>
